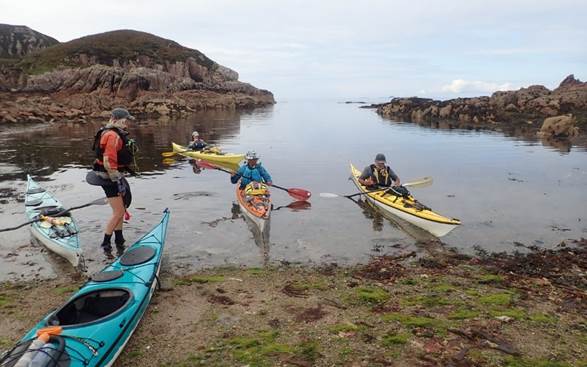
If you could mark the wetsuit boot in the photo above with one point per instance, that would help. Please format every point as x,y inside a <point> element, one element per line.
<point>119,241</point>
<point>107,247</point>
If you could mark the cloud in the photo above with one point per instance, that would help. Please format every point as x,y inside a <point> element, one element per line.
<point>468,86</point>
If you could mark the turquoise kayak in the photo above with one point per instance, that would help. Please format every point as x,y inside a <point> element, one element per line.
<point>58,234</point>
<point>94,325</point>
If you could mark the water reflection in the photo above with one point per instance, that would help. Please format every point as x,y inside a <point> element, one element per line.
<point>42,152</point>
<point>504,190</point>
<point>521,131</point>
<point>371,211</point>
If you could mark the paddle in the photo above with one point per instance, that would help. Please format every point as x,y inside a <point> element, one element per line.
<point>100,201</point>
<point>422,182</point>
<point>298,194</point>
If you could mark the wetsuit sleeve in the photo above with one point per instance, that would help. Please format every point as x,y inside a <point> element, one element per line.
<point>234,178</point>
<point>111,144</point>
<point>367,172</point>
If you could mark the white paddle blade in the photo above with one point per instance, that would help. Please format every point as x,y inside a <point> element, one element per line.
<point>100,201</point>
<point>328,195</point>
<point>422,182</point>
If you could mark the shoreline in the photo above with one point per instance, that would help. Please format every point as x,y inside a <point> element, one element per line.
<point>441,309</point>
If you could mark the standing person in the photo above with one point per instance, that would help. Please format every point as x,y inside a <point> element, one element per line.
<point>251,171</point>
<point>379,174</point>
<point>114,153</point>
<point>197,143</point>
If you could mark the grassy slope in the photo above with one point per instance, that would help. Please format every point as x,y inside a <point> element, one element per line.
<point>121,45</point>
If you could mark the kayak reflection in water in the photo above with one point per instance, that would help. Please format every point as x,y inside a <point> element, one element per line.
<point>195,168</point>
<point>371,213</point>
<point>379,174</point>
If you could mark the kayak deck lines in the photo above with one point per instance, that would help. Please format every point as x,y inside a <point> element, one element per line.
<point>99,319</point>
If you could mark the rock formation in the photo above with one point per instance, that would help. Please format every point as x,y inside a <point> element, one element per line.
<point>560,127</point>
<point>147,74</point>
<point>533,103</point>
<point>19,41</point>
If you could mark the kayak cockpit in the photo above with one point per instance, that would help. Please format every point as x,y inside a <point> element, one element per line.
<point>90,307</point>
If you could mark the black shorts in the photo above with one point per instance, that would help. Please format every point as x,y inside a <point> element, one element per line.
<point>111,191</point>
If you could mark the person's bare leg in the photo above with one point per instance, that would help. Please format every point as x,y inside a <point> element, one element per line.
<point>114,223</point>
<point>118,210</point>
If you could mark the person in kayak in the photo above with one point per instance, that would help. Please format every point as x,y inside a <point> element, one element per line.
<point>114,153</point>
<point>251,171</point>
<point>379,174</point>
<point>197,143</point>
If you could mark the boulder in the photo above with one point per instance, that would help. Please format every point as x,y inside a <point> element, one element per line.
<point>562,126</point>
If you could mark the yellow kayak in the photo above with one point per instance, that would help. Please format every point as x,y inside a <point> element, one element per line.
<point>213,157</point>
<point>408,209</point>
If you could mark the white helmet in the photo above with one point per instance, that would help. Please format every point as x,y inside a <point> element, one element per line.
<point>195,134</point>
<point>251,154</point>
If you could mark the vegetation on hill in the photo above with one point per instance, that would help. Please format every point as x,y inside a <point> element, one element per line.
<point>105,48</point>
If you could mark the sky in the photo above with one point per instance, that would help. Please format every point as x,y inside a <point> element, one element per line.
<point>338,49</point>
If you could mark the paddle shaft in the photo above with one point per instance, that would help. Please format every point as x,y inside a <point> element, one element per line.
<point>95,202</point>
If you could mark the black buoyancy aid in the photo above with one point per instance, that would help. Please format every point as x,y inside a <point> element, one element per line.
<point>124,155</point>
<point>382,177</point>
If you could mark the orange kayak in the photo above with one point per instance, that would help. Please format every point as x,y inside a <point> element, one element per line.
<point>256,208</point>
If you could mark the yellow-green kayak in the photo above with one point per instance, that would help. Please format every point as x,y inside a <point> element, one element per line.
<point>213,157</point>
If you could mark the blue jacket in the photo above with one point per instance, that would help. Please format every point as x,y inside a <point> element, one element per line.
<point>258,174</point>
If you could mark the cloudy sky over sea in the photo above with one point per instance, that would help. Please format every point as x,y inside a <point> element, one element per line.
<point>349,49</point>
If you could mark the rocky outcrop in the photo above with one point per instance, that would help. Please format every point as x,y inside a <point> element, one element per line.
<point>86,83</point>
<point>560,127</point>
<point>532,103</point>
<point>18,41</point>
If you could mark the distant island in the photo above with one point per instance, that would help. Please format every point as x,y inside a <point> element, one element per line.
<point>531,104</point>
<point>42,80</point>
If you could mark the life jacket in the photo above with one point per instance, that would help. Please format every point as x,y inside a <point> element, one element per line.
<point>125,155</point>
<point>256,189</point>
<point>382,177</point>
<point>198,145</point>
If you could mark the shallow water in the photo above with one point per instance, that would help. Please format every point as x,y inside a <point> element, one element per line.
<point>504,188</point>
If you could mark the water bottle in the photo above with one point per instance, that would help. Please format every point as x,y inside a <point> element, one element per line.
<point>27,357</point>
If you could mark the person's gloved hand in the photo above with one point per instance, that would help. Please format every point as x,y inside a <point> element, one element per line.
<point>115,176</point>
<point>121,187</point>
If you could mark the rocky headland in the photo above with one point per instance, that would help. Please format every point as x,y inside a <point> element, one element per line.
<point>42,81</point>
<point>567,104</point>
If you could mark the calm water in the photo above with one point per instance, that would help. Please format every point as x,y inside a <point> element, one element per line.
<point>505,189</point>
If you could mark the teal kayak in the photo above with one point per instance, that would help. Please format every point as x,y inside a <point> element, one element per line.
<point>58,234</point>
<point>94,325</point>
